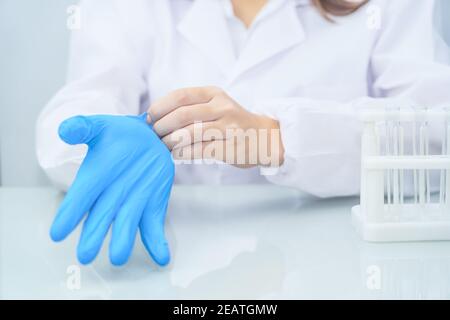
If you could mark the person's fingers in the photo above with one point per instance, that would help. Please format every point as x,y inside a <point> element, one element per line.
<point>105,209</point>
<point>79,129</point>
<point>184,116</point>
<point>213,150</point>
<point>152,222</point>
<point>197,132</point>
<point>179,98</point>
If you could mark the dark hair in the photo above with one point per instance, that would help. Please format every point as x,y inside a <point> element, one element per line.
<point>338,7</point>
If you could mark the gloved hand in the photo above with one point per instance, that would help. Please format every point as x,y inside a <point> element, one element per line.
<point>124,181</point>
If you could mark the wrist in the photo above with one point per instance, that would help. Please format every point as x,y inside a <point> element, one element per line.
<point>275,148</point>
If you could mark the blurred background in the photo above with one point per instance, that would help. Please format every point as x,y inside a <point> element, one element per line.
<point>33,56</point>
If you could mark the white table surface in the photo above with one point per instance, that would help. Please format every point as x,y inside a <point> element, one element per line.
<point>246,242</point>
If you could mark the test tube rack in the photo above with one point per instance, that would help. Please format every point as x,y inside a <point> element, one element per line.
<point>396,145</point>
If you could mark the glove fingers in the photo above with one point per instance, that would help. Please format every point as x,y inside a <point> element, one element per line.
<point>91,180</point>
<point>79,199</point>
<point>83,191</point>
<point>125,227</point>
<point>98,222</point>
<point>107,207</point>
<point>152,233</point>
<point>94,175</point>
<point>153,219</point>
<point>127,220</point>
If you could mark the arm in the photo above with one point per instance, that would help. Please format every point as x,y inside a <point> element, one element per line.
<point>322,138</point>
<point>106,76</point>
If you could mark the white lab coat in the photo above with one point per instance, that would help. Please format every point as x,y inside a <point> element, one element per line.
<point>310,74</point>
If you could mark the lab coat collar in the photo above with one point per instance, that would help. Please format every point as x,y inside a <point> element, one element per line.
<point>276,29</point>
<point>205,26</point>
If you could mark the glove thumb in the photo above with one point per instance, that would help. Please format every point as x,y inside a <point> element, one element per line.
<point>79,129</point>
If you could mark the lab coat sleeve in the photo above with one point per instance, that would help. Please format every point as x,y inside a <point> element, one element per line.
<point>322,138</point>
<point>105,76</point>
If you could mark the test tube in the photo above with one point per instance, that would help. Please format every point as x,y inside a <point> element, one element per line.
<point>447,177</point>
<point>427,172</point>
<point>414,151</point>
<point>442,189</point>
<point>395,172</point>
<point>423,133</point>
<point>400,139</point>
<point>401,149</point>
<point>388,153</point>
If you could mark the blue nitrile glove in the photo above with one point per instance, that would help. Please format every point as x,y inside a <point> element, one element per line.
<point>124,181</point>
